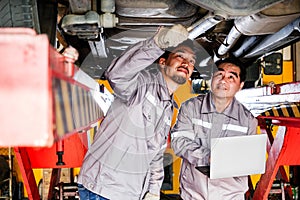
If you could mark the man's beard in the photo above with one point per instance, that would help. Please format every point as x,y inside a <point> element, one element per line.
<point>178,79</point>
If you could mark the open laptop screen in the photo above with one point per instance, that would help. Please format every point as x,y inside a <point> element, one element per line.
<point>238,156</point>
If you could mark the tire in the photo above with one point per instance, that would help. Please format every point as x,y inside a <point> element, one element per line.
<point>16,13</point>
<point>40,15</point>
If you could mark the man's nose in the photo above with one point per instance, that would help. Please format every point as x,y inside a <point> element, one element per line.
<point>185,63</point>
<point>224,78</point>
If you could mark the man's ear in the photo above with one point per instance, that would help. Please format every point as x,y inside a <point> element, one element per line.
<point>162,62</point>
<point>242,85</point>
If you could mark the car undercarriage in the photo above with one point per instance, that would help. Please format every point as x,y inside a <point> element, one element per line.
<point>101,30</point>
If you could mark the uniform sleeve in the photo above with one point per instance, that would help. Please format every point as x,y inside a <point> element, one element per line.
<point>157,172</point>
<point>183,138</point>
<point>123,72</point>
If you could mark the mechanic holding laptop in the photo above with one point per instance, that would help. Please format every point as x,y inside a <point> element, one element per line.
<point>216,114</point>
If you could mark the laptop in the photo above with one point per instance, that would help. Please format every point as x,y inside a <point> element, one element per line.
<point>236,156</point>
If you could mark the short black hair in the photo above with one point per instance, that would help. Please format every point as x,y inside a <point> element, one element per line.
<point>188,43</point>
<point>236,62</point>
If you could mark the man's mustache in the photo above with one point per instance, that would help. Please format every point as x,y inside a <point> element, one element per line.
<point>184,68</point>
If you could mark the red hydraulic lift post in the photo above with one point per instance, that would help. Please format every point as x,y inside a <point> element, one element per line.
<point>282,148</point>
<point>27,173</point>
<point>277,104</point>
<point>282,152</point>
<point>47,115</point>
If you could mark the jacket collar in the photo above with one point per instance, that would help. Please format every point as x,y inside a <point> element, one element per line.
<point>163,92</point>
<point>209,107</point>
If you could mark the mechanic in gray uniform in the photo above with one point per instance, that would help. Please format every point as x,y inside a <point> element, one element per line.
<point>216,114</point>
<point>125,160</point>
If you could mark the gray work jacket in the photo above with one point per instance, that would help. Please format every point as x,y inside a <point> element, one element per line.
<point>197,122</point>
<point>126,158</point>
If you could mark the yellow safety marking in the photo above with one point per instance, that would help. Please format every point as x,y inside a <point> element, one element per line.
<point>75,108</point>
<point>284,111</point>
<point>67,106</point>
<point>267,113</point>
<point>81,104</point>
<point>58,115</point>
<point>295,109</point>
<point>275,111</point>
<point>90,107</point>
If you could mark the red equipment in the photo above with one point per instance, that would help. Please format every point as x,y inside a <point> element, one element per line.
<point>42,106</point>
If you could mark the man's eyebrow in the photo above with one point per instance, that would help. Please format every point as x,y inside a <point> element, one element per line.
<point>184,51</point>
<point>234,73</point>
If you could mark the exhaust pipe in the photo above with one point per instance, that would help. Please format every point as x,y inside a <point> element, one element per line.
<point>203,25</point>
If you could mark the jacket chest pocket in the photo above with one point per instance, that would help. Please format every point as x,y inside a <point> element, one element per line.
<point>157,122</point>
<point>152,110</point>
<point>149,113</point>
